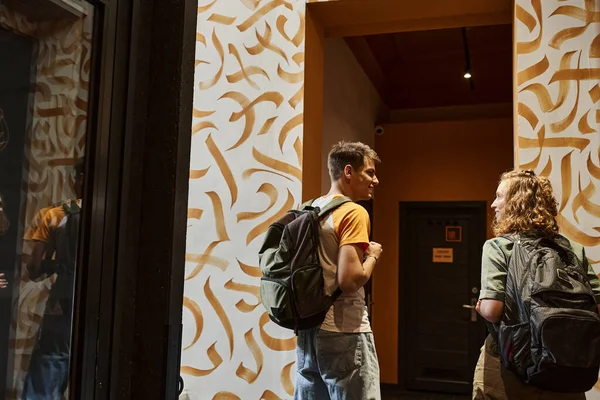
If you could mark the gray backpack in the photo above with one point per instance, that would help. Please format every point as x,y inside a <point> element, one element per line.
<point>292,287</point>
<point>549,335</point>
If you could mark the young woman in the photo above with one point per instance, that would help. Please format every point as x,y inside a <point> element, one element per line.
<point>524,205</point>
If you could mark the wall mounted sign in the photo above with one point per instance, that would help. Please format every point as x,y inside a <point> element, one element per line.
<point>3,131</point>
<point>453,234</point>
<point>443,255</point>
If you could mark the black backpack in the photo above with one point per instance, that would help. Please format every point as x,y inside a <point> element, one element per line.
<point>65,264</point>
<point>292,288</point>
<point>549,335</point>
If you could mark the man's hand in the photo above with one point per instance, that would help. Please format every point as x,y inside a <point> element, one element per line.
<point>374,250</point>
<point>3,282</point>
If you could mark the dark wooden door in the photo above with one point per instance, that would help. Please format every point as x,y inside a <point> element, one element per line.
<point>440,260</point>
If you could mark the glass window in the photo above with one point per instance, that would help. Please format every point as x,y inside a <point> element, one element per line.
<point>45,61</point>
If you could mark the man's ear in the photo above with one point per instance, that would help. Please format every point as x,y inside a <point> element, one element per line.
<point>348,171</point>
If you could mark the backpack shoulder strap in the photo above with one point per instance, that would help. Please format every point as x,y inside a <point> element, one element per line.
<point>514,238</point>
<point>333,204</point>
<point>306,204</point>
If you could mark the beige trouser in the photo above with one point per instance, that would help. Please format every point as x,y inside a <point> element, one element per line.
<point>493,382</point>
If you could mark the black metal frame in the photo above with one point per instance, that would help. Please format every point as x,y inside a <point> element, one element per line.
<point>129,292</point>
<point>403,259</point>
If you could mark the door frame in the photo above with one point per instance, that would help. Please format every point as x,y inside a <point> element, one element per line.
<point>405,207</point>
<point>137,166</point>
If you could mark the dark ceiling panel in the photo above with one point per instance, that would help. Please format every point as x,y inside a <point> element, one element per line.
<point>426,68</point>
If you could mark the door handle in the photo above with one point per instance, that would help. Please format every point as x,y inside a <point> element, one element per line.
<point>472,308</point>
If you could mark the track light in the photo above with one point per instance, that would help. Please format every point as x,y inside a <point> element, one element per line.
<point>467,74</point>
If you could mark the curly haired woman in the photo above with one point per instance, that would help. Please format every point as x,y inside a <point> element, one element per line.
<point>524,205</point>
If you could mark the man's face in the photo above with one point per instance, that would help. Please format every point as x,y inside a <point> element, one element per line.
<point>500,201</point>
<point>363,180</point>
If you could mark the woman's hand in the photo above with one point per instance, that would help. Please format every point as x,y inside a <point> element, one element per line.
<point>3,282</point>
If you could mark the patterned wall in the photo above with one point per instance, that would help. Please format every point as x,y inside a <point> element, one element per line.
<point>558,89</point>
<point>245,172</point>
<point>57,138</point>
<point>558,83</point>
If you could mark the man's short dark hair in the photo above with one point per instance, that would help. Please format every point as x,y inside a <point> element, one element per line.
<point>344,153</point>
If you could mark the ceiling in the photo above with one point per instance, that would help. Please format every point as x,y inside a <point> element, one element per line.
<point>422,69</point>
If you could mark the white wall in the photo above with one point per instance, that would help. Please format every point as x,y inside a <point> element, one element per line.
<point>351,107</point>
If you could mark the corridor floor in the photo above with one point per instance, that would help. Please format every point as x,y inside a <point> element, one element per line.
<point>387,394</point>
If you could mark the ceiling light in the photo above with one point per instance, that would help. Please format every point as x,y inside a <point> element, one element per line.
<point>467,70</point>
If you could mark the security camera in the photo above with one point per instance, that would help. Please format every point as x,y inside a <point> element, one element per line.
<point>379,130</point>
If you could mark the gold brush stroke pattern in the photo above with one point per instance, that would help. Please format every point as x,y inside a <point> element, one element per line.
<point>263,226</point>
<point>225,171</point>
<point>566,181</point>
<point>214,357</point>
<point>198,173</point>
<point>225,396</point>
<point>202,125</point>
<point>265,42</point>
<point>530,47</point>
<point>250,270</point>
<point>220,311</point>
<point>557,61</point>
<point>291,124</point>
<point>246,373</point>
<point>56,138</point>
<point>204,259</point>
<point>246,172</point>
<point>267,126</point>
<point>277,164</point>
<point>268,395</point>
<point>254,18</point>
<point>274,343</point>
<point>195,213</point>
<point>205,85</point>
<point>286,380</point>
<point>271,192</point>
<point>197,313</point>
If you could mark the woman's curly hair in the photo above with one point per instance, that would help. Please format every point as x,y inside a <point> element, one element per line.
<point>529,205</point>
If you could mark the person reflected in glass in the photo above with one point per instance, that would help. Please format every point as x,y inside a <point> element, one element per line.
<point>55,252</point>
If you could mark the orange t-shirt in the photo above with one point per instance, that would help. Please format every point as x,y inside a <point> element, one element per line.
<point>347,224</point>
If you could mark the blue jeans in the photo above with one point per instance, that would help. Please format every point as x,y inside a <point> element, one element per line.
<point>48,374</point>
<point>336,366</point>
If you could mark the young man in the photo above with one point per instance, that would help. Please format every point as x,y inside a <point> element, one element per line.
<point>55,252</point>
<point>338,360</point>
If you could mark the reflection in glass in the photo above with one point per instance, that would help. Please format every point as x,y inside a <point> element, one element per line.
<point>45,57</point>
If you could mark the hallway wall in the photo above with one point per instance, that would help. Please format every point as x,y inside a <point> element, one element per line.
<point>436,161</point>
<point>351,105</point>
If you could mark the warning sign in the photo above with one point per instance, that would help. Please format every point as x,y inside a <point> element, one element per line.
<point>443,255</point>
<point>453,234</point>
